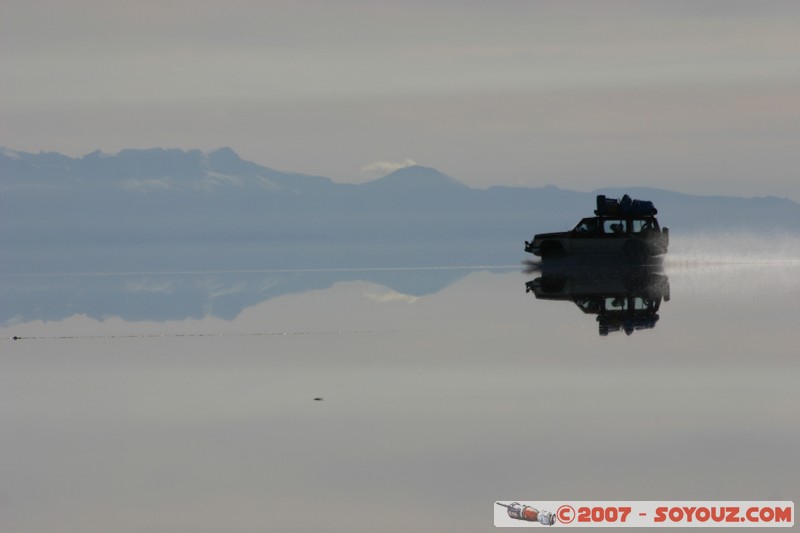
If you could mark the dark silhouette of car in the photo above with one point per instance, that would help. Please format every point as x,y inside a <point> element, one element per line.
<point>623,227</point>
<point>624,297</point>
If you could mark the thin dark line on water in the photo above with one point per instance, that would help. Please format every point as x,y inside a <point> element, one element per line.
<point>146,336</point>
<point>260,271</point>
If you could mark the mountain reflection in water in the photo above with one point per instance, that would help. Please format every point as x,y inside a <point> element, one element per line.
<point>164,296</point>
<point>624,296</point>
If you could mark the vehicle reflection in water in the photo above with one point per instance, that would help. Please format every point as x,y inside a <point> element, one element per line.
<point>624,296</point>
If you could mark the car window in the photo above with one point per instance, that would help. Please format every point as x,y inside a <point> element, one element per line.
<point>644,304</point>
<point>615,227</point>
<point>589,305</point>
<point>638,226</point>
<point>588,225</point>
<point>616,303</point>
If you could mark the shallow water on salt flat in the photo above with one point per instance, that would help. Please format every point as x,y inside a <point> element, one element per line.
<point>185,401</point>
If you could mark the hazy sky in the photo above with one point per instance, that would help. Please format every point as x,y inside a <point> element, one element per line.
<point>693,96</point>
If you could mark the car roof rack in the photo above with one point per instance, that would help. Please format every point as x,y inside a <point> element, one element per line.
<point>610,207</point>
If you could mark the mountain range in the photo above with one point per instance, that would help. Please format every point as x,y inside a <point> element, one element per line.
<point>216,210</point>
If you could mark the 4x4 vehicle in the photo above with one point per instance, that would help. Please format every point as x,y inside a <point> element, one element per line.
<point>622,227</point>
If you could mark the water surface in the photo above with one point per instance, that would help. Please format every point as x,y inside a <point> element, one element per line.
<point>175,401</point>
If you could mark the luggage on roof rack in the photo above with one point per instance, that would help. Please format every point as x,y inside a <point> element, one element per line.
<point>611,207</point>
